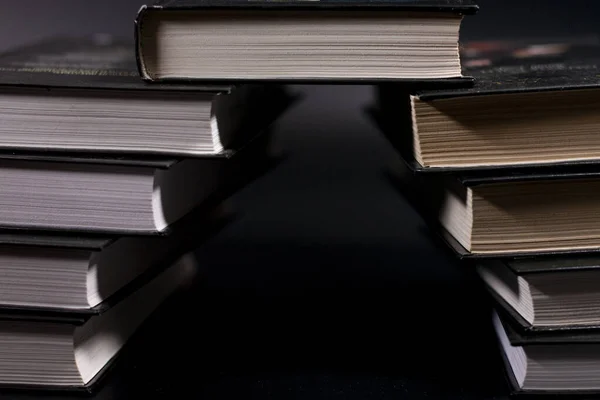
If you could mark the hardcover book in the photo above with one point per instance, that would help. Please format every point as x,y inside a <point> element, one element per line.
<point>60,276</point>
<point>119,196</point>
<point>546,293</point>
<point>293,41</point>
<point>85,95</point>
<point>503,215</point>
<point>533,103</point>
<point>557,363</point>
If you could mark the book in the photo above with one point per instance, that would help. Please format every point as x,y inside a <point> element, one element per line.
<point>533,103</point>
<point>98,197</point>
<point>293,41</point>
<point>558,363</point>
<point>46,354</point>
<point>120,195</point>
<point>85,95</point>
<point>524,212</point>
<point>546,293</point>
<point>53,274</point>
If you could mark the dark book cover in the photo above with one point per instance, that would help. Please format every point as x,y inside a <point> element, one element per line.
<point>459,6</point>
<point>64,240</point>
<point>532,265</point>
<point>93,62</point>
<point>519,337</point>
<point>527,65</point>
<point>527,174</point>
<point>73,157</point>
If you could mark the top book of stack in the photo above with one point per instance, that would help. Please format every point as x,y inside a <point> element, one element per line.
<point>301,41</point>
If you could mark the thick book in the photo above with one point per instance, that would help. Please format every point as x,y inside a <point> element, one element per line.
<point>534,102</point>
<point>546,293</point>
<point>300,41</point>
<point>119,196</point>
<point>85,95</point>
<point>61,276</point>
<point>59,355</point>
<point>508,214</point>
<point>556,363</point>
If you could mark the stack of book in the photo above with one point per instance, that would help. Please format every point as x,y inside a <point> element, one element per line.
<point>507,172</point>
<point>108,183</point>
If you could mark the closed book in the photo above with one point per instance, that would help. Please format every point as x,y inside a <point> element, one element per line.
<point>144,196</point>
<point>84,94</point>
<point>300,41</point>
<point>558,363</point>
<point>529,211</point>
<point>52,275</point>
<point>545,294</point>
<point>533,102</point>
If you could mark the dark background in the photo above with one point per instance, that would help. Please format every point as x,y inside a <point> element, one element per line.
<point>328,285</point>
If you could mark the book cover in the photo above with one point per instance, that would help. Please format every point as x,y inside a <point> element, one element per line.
<point>527,65</point>
<point>92,62</point>
<point>460,6</point>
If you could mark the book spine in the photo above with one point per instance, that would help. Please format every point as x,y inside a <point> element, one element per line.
<point>139,57</point>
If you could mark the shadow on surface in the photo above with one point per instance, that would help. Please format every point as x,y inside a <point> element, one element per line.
<point>323,326</point>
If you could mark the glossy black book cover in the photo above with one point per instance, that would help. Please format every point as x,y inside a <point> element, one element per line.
<point>91,62</point>
<point>460,6</point>
<point>527,65</point>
